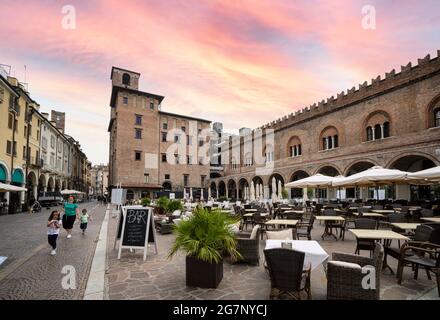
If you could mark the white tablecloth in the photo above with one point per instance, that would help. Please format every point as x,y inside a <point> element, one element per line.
<point>314,252</point>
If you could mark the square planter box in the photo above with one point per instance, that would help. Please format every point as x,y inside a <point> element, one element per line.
<point>203,274</point>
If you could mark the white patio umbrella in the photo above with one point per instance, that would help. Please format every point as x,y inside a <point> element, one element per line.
<point>274,190</point>
<point>201,195</point>
<point>184,194</point>
<point>316,181</point>
<point>191,194</point>
<point>245,193</point>
<point>209,194</point>
<point>428,175</point>
<point>280,193</point>
<point>252,191</point>
<point>373,177</point>
<point>10,188</point>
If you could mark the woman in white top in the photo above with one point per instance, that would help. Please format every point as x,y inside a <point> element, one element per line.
<point>53,229</point>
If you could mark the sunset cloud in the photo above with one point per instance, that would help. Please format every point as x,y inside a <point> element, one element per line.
<point>242,63</point>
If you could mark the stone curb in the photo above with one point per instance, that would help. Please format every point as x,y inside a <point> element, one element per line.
<point>96,283</point>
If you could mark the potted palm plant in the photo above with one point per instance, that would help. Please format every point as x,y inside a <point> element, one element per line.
<point>206,237</point>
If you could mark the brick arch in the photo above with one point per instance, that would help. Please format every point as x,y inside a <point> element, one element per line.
<point>268,179</point>
<point>296,172</point>
<point>433,105</point>
<point>412,153</point>
<point>328,165</point>
<point>374,118</point>
<point>351,164</point>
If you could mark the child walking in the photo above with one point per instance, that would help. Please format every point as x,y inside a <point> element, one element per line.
<point>84,220</point>
<point>53,229</point>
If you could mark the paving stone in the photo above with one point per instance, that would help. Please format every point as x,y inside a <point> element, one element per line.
<point>164,278</point>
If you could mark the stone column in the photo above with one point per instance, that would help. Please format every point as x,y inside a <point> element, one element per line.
<point>403,191</point>
<point>373,133</point>
<point>381,131</point>
<point>227,196</point>
<point>238,193</point>
<point>326,143</point>
<point>333,142</point>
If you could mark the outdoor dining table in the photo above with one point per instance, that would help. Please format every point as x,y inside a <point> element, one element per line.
<point>373,234</point>
<point>432,219</point>
<point>264,214</point>
<point>314,253</point>
<point>328,231</point>
<point>370,215</point>
<point>285,222</point>
<point>405,226</point>
<point>382,211</point>
<point>251,210</point>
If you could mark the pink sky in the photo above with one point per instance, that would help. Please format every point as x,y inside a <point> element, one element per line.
<point>243,63</point>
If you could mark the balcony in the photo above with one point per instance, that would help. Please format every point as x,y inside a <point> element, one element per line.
<point>36,162</point>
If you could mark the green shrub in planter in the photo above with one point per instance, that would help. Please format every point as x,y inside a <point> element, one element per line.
<point>174,205</point>
<point>205,238</point>
<point>146,202</point>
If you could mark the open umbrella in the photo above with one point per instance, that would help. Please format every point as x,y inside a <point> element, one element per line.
<point>10,188</point>
<point>316,181</point>
<point>428,175</point>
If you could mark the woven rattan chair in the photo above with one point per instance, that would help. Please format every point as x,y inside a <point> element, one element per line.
<point>364,244</point>
<point>426,255</point>
<point>421,235</point>
<point>287,274</point>
<point>304,228</point>
<point>345,276</point>
<point>249,247</point>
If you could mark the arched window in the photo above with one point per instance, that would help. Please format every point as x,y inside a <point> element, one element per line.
<point>369,134</point>
<point>126,79</point>
<point>330,138</point>
<point>294,147</point>
<point>437,117</point>
<point>379,124</point>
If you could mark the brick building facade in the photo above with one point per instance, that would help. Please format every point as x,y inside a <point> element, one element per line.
<point>140,137</point>
<point>392,122</point>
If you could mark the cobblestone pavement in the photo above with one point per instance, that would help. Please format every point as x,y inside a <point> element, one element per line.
<point>161,278</point>
<point>30,272</point>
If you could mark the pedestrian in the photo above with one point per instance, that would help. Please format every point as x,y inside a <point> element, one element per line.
<point>71,213</point>
<point>53,229</point>
<point>84,220</point>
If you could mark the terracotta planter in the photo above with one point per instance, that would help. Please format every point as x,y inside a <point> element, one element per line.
<point>203,274</point>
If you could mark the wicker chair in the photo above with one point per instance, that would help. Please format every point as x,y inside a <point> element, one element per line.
<point>422,234</point>
<point>345,276</point>
<point>248,246</point>
<point>363,244</point>
<point>426,213</point>
<point>304,228</point>
<point>287,274</point>
<point>426,255</point>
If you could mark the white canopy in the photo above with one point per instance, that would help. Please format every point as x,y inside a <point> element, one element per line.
<point>317,180</point>
<point>10,188</point>
<point>432,174</point>
<point>371,177</point>
<point>67,192</point>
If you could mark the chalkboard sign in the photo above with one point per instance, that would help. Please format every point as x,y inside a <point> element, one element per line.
<point>136,229</point>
